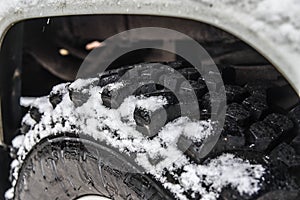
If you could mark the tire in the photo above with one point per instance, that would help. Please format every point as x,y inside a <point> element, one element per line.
<point>62,165</point>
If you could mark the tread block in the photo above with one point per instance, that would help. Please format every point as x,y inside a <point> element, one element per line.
<point>229,143</point>
<point>238,113</point>
<point>190,73</point>
<point>278,177</point>
<point>35,114</point>
<point>109,78</point>
<point>199,88</point>
<point>150,74</point>
<point>231,138</point>
<point>78,97</point>
<point>55,99</point>
<point>112,97</point>
<point>150,122</point>
<point>170,81</point>
<point>260,134</point>
<point>286,154</point>
<point>107,98</point>
<point>206,100</point>
<point>235,93</point>
<point>213,81</point>
<point>257,106</point>
<point>121,71</point>
<point>147,88</point>
<point>280,123</point>
<point>231,127</point>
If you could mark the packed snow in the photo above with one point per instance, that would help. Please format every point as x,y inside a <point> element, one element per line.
<point>117,128</point>
<point>151,103</point>
<point>27,101</point>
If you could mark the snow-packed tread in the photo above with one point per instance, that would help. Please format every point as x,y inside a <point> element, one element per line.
<point>150,122</point>
<point>250,129</point>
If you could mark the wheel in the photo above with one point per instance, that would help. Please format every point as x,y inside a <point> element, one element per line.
<point>90,137</point>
